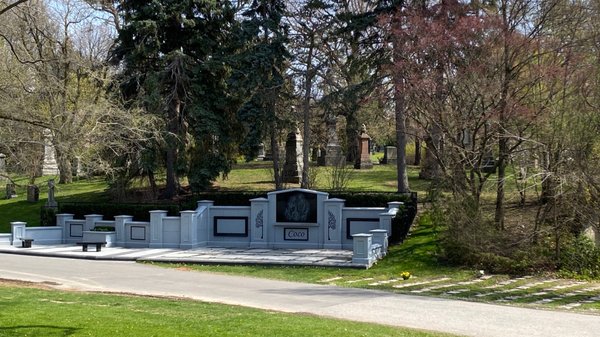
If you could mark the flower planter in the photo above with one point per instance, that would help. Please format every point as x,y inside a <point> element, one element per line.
<point>94,236</point>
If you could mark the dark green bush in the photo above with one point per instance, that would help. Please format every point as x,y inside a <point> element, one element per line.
<point>48,216</point>
<point>581,258</point>
<point>401,223</point>
<point>109,210</point>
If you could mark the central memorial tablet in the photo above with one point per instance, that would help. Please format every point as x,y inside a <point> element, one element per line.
<point>296,207</point>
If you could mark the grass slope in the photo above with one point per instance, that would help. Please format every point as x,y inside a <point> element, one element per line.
<point>19,209</point>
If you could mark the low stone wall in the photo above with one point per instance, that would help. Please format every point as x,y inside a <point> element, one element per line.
<point>291,219</point>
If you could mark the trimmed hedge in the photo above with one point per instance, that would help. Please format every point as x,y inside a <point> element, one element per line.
<point>109,210</point>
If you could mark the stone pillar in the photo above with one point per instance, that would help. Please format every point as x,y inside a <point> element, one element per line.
<point>363,160</point>
<point>259,223</point>
<point>332,223</point>
<point>61,221</point>
<point>361,253</point>
<point>156,228</point>
<point>380,237</point>
<point>189,232</point>
<point>292,169</point>
<point>18,230</point>
<point>120,221</point>
<point>90,221</point>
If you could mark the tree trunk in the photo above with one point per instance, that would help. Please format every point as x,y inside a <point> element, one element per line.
<point>352,128</point>
<point>63,161</point>
<point>172,148</point>
<point>431,167</point>
<point>400,114</point>
<point>400,110</point>
<point>417,151</point>
<point>304,182</point>
<point>275,153</point>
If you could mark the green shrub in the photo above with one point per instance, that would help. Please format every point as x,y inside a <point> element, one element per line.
<point>109,210</point>
<point>401,223</point>
<point>48,216</point>
<point>581,259</point>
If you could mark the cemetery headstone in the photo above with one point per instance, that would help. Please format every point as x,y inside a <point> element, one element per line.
<point>292,169</point>
<point>333,151</point>
<point>390,155</point>
<point>33,193</point>
<point>261,152</point>
<point>592,233</point>
<point>363,160</point>
<point>51,203</point>
<point>10,191</point>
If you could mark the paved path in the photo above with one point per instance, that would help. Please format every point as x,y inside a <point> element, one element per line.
<point>205,255</point>
<point>471,319</point>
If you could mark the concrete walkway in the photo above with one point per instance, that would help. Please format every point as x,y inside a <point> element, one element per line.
<point>464,318</point>
<point>204,255</point>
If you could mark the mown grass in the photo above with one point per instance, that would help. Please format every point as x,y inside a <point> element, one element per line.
<point>37,312</point>
<point>19,209</point>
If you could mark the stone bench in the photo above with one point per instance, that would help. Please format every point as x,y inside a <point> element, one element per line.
<point>26,242</point>
<point>84,245</point>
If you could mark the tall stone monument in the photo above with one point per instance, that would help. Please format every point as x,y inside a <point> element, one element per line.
<point>333,151</point>
<point>292,169</point>
<point>363,160</point>
<point>49,167</point>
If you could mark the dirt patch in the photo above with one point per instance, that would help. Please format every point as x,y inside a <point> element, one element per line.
<point>27,284</point>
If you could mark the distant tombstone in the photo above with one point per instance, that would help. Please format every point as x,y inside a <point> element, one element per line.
<point>363,160</point>
<point>261,152</point>
<point>49,166</point>
<point>10,191</point>
<point>33,193</point>
<point>315,154</point>
<point>2,165</point>
<point>268,155</point>
<point>390,155</point>
<point>592,233</point>
<point>333,155</point>
<point>292,169</point>
<point>51,203</point>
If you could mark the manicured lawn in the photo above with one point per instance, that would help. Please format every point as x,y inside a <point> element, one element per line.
<point>258,176</point>
<point>37,312</point>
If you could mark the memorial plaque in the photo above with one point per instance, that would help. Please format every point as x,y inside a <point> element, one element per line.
<point>295,234</point>
<point>297,206</point>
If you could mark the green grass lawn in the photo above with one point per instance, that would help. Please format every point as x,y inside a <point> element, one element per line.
<point>19,209</point>
<point>258,176</point>
<point>37,312</point>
